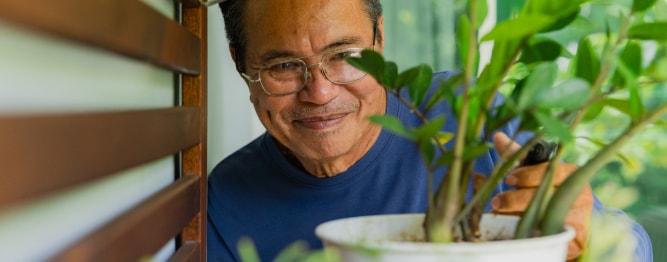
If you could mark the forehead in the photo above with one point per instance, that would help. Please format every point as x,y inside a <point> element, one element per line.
<point>304,27</point>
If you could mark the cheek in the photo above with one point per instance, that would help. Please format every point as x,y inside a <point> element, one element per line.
<point>255,94</point>
<point>369,93</point>
<point>269,108</point>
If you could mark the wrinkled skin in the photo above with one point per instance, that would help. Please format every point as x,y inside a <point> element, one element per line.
<point>526,179</point>
<point>323,126</point>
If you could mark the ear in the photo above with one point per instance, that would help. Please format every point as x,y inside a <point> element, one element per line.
<point>380,33</point>
<point>232,52</point>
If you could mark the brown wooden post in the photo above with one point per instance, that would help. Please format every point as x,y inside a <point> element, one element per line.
<point>195,94</point>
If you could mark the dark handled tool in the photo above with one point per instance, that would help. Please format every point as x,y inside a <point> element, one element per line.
<point>541,152</point>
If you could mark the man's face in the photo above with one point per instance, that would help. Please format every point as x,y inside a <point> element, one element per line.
<point>324,122</point>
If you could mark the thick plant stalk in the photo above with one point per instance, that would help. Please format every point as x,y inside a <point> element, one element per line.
<point>439,221</point>
<point>568,192</point>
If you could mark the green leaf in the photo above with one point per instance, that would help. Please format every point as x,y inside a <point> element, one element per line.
<point>482,10</point>
<point>660,11</point>
<point>444,137</point>
<point>569,95</point>
<point>519,28</point>
<point>554,127</point>
<point>499,116</point>
<point>541,50</point>
<point>587,62</point>
<point>294,252</point>
<point>326,255</point>
<point>630,83</point>
<point>473,151</point>
<point>641,5</point>
<point>503,53</point>
<point>446,90</point>
<point>630,60</point>
<point>446,158</point>
<point>431,129</point>
<point>658,70</point>
<point>463,39</point>
<point>390,75</point>
<point>593,112</point>
<point>426,135</point>
<point>427,149</point>
<point>475,108</point>
<point>529,123</point>
<point>539,80</point>
<point>370,62</point>
<point>624,106</point>
<point>636,107</point>
<point>418,79</point>
<point>649,31</point>
<point>563,20</point>
<point>394,125</point>
<point>247,250</point>
<point>563,12</point>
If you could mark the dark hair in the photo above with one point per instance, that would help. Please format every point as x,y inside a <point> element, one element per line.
<point>232,13</point>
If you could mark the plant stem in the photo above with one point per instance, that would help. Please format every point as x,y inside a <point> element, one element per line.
<point>485,192</point>
<point>438,222</point>
<point>538,204</point>
<point>569,191</point>
<point>542,203</point>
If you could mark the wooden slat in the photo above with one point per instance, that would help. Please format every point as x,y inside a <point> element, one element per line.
<point>41,154</point>
<point>143,230</point>
<point>128,27</point>
<point>188,252</point>
<point>194,90</point>
<point>190,3</point>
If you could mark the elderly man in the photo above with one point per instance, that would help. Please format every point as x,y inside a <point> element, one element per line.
<point>321,159</point>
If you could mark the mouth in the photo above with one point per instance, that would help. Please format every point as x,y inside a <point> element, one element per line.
<point>321,122</point>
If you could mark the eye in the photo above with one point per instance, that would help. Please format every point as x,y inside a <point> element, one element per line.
<point>342,55</point>
<point>286,67</point>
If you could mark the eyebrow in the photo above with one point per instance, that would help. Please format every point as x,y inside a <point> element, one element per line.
<point>282,54</point>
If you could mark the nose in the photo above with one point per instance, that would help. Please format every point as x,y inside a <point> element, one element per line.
<point>318,90</point>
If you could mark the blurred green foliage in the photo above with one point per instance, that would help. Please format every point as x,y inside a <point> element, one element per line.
<point>635,181</point>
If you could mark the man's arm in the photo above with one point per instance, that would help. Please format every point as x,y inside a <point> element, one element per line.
<point>644,249</point>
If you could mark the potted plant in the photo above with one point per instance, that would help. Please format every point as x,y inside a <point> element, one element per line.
<point>550,100</point>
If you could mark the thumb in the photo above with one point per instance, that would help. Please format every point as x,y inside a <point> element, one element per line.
<point>505,146</point>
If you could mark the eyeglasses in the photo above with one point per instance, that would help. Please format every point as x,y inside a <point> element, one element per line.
<point>290,76</point>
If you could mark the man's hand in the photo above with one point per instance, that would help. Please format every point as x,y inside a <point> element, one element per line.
<point>526,179</point>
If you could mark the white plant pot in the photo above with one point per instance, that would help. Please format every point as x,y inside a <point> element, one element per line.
<point>391,238</point>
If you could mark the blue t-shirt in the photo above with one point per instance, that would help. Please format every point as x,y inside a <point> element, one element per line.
<point>257,193</point>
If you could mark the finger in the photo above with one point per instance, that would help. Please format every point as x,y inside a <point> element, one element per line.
<point>579,219</point>
<point>505,146</point>
<point>531,176</point>
<point>573,251</point>
<point>512,201</point>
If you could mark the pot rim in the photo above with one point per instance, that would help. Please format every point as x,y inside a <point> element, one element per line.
<point>406,246</point>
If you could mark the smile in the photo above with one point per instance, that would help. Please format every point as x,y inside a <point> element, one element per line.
<point>321,123</point>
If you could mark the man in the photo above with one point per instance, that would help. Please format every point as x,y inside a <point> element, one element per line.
<point>321,159</point>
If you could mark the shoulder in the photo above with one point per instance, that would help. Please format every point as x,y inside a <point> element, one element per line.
<point>239,162</point>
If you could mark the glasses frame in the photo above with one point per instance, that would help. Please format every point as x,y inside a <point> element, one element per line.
<point>307,72</point>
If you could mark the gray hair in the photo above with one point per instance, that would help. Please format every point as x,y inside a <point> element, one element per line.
<point>232,13</point>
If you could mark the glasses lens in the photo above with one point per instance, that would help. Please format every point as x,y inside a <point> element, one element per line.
<point>284,77</point>
<point>338,70</point>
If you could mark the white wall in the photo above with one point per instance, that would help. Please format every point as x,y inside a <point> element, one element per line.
<point>232,122</point>
<point>41,74</point>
